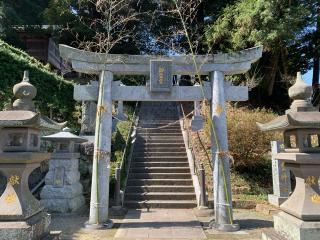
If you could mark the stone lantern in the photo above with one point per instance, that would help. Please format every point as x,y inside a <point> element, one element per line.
<point>21,216</point>
<point>63,191</point>
<point>300,215</point>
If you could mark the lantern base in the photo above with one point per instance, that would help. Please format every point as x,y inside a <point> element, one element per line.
<point>36,227</point>
<point>288,227</point>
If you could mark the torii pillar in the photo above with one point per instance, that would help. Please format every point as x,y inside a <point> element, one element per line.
<point>220,157</point>
<point>99,201</point>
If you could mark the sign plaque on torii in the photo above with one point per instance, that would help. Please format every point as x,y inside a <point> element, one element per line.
<point>161,69</point>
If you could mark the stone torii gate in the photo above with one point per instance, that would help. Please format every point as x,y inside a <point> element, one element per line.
<point>161,69</point>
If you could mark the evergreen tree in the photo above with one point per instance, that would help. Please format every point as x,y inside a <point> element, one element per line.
<point>20,13</point>
<point>283,28</point>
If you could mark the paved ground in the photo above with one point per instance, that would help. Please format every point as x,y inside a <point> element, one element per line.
<point>251,223</point>
<point>160,224</point>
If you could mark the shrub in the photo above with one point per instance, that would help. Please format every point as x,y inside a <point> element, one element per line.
<point>248,145</point>
<point>251,168</point>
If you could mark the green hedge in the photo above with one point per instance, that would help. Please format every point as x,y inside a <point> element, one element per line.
<point>53,90</point>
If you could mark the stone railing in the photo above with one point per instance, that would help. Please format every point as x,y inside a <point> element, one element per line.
<point>196,166</point>
<point>121,172</point>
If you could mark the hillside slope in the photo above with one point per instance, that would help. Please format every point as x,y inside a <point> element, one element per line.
<point>53,91</point>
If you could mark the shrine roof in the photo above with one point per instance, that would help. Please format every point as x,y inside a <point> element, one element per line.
<point>49,124</point>
<point>292,120</point>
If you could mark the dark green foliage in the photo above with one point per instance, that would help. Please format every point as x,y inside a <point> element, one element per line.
<point>17,13</point>
<point>284,28</point>
<point>53,91</point>
<point>118,146</point>
<point>119,138</point>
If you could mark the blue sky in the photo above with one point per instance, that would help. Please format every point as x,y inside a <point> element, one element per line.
<point>307,77</point>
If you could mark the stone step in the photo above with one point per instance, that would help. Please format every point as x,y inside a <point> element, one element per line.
<point>161,149</point>
<point>160,196</point>
<point>160,120</point>
<point>159,164</point>
<point>161,204</point>
<point>175,125</point>
<point>150,182</point>
<point>156,125</point>
<point>160,175</point>
<point>271,234</point>
<point>142,141</point>
<point>159,188</point>
<point>164,158</point>
<point>160,145</point>
<point>155,137</point>
<point>160,170</point>
<point>159,154</point>
<point>158,130</point>
<point>167,135</point>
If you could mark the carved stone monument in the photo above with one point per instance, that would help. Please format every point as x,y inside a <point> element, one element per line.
<point>21,216</point>
<point>63,191</point>
<point>300,215</point>
<point>280,177</point>
<point>88,120</point>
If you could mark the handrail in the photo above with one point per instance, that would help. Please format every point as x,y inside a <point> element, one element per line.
<point>197,167</point>
<point>206,152</point>
<point>190,144</point>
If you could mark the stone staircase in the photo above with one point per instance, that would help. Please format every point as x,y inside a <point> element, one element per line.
<point>159,175</point>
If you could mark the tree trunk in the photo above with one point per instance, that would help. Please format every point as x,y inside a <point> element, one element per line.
<point>273,73</point>
<point>315,74</point>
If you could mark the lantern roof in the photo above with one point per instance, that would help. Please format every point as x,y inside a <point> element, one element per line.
<point>64,135</point>
<point>19,118</point>
<point>292,121</point>
<point>301,114</point>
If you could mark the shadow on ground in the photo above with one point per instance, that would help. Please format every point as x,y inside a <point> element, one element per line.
<point>156,224</point>
<point>251,224</point>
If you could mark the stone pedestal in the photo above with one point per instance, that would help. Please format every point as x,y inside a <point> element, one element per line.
<point>35,227</point>
<point>304,203</point>
<point>63,191</point>
<point>21,216</point>
<point>291,228</point>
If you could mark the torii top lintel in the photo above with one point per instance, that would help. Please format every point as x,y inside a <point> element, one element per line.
<point>228,63</point>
